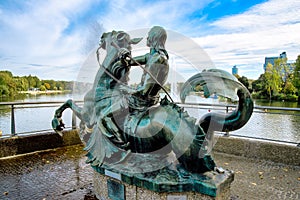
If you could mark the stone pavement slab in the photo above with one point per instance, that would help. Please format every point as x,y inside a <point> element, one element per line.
<point>53,174</point>
<point>260,179</point>
<point>63,174</point>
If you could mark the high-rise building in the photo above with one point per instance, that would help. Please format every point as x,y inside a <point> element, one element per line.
<point>271,60</point>
<point>289,66</point>
<point>235,70</point>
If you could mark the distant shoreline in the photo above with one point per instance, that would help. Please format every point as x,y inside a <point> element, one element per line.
<point>45,92</point>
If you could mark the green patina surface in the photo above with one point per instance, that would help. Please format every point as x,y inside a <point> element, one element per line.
<point>116,190</point>
<point>179,180</point>
<point>132,132</point>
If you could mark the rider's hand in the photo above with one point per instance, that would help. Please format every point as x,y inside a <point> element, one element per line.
<point>123,53</point>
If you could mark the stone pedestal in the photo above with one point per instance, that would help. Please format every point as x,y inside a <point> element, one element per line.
<point>111,185</point>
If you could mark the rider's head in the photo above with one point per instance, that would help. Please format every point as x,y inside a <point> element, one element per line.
<point>157,37</point>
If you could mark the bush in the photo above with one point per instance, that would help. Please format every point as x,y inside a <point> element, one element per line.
<point>258,95</point>
<point>279,97</point>
<point>291,97</point>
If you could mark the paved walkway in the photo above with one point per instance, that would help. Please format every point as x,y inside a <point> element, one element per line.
<point>62,174</point>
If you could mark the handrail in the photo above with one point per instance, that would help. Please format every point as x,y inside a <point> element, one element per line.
<point>183,104</point>
<point>212,106</point>
<point>14,105</point>
<point>34,102</point>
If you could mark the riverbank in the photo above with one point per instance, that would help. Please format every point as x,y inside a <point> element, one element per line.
<point>38,92</point>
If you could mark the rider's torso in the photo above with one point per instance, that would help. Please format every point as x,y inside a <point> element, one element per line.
<point>157,65</point>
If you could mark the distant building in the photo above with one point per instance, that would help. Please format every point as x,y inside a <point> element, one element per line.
<point>271,60</point>
<point>235,70</point>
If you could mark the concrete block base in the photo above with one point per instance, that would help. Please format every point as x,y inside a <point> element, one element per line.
<point>105,191</point>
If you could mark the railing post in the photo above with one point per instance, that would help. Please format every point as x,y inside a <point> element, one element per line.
<point>227,132</point>
<point>13,125</point>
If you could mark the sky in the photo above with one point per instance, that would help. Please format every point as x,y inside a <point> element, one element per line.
<point>52,38</point>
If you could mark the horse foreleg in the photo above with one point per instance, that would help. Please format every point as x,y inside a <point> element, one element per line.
<point>57,123</point>
<point>68,104</point>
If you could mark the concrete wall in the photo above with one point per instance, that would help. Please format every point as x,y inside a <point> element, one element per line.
<point>263,150</point>
<point>271,151</point>
<point>26,144</point>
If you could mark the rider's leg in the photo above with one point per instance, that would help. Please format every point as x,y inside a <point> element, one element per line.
<point>107,121</point>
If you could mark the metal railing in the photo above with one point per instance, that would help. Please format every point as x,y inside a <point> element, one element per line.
<point>23,105</point>
<point>206,106</point>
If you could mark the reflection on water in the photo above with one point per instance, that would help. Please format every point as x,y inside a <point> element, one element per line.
<point>261,125</point>
<point>264,125</point>
<point>277,103</point>
<point>272,126</point>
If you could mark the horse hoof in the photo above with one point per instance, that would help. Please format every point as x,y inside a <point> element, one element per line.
<point>58,126</point>
<point>55,123</point>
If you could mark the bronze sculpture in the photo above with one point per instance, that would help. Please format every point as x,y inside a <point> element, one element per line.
<point>126,125</point>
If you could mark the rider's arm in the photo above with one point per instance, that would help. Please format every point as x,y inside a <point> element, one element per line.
<point>125,57</point>
<point>142,60</point>
<point>159,69</point>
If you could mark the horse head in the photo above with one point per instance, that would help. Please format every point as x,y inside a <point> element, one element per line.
<point>120,38</point>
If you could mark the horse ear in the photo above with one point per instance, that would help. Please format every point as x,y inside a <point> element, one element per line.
<point>135,40</point>
<point>104,35</point>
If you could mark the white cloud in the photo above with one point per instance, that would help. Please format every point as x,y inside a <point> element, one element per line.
<point>38,34</point>
<point>129,15</point>
<point>245,39</point>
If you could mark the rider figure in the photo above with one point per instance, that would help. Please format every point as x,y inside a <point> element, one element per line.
<point>156,63</point>
<point>147,92</point>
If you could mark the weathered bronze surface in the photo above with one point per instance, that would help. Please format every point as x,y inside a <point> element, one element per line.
<point>116,190</point>
<point>177,180</point>
<point>133,131</point>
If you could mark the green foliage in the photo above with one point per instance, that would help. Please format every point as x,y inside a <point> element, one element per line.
<point>21,83</point>
<point>289,88</point>
<point>4,91</point>
<point>273,79</point>
<point>47,86</point>
<point>296,74</point>
<point>258,85</point>
<point>244,80</point>
<point>42,88</point>
<point>279,82</point>
<point>33,81</point>
<point>10,85</point>
<point>291,97</point>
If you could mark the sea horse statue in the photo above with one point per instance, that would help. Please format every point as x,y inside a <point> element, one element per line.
<point>126,125</point>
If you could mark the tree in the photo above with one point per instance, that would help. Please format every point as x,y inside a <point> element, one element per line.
<point>258,85</point>
<point>42,88</point>
<point>289,88</point>
<point>47,86</point>
<point>21,83</point>
<point>4,91</point>
<point>33,81</point>
<point>296,77</point>
<point>244,80</point>
<point>273,78</point>
<point>8,86</point>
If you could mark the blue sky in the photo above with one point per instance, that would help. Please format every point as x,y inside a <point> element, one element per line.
<point>51,38</point>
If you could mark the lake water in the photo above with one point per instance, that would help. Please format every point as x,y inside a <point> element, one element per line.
<point>262,125</point>
<point>33,119</point>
